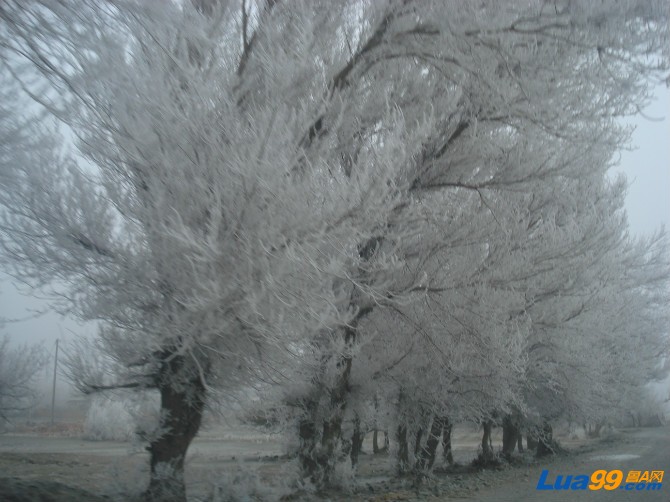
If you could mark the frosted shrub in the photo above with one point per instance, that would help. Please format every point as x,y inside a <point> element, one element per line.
<point>577,432</point>
<point>109,420</point>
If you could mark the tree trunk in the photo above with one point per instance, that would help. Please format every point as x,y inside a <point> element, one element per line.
<point>510,435</point>
<point>307,450</point>
<point>356,442</point>
<point>330,446</point>
<point>545,445</point>
<point>531,439</point>
<point>317,462</point>
<point>417,444</point>
<point>446,443</point>
<point>427,457</point>
<point>486,457</point>
<point>332,427</point>
<point>182,411</point>
<point>403,450</point>
<point>519,441</point>
<point>487,450</point>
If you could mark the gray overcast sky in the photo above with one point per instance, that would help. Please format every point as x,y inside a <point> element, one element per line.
<point>648,206</point>
<point>648,168</point>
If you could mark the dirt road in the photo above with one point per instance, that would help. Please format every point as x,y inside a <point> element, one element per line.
<point>640,450</point>
<point>216,456</point>
<point>98,466</point>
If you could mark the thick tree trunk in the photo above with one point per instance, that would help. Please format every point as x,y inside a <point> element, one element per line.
<point>403,450</point>
<point>447,454</point>
<point>426,459</point>
<point>182,411</point>
<point>356,442</point>
<point>510,435</point>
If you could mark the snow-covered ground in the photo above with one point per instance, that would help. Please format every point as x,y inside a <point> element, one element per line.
<point>232,458</point>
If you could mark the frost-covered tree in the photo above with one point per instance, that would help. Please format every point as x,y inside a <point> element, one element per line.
<point>189,214</point>
<point>589,275</point>
<point>503,84</point>
<point>19,366</point>
<point>253,181</point>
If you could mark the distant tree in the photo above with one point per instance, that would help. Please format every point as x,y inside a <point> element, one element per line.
<point>19,366</point>
<point>595,304</point>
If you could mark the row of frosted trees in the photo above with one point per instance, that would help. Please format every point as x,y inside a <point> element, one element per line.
<point>558,325</point>
<point>383,214</point>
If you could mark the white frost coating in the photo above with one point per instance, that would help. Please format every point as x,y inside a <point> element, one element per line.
<point>377,213</point>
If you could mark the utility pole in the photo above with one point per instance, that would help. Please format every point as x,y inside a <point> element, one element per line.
<point>53,392</point>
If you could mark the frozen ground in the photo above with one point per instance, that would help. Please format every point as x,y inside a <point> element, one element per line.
<point>642,449</point>
<point>230,458</point>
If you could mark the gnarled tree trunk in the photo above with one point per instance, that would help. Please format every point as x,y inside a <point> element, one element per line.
<point>182,407</point>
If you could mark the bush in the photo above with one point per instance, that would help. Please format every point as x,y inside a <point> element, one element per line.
<point>110,419</point>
